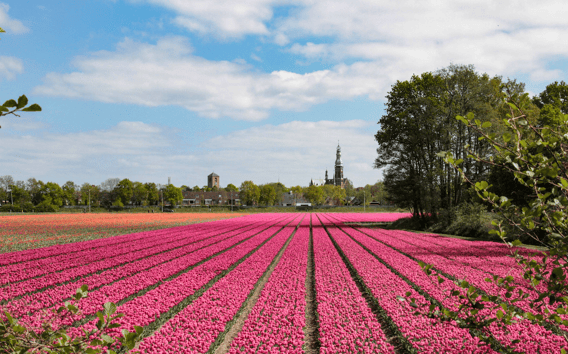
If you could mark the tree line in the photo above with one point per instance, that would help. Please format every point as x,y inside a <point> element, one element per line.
<point>36,195</point>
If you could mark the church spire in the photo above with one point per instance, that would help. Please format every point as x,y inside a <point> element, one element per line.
<point>338,161</point>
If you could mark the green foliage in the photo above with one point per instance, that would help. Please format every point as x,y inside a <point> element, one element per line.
<point>153,196</point>
<point>124,190</point>
<point>19,195</point>
<point>249,193</point>
<point>139,194</point>
<point>89,192</point>
<point>18,337</point>
<point>537,157</point>
<point>173,194</point>
<point>267,195</point>
<point>69,191</point>
<point>419,122</point>
<point>118,203</point>
<point>555,94</point>
<point>314,195</point>
<point>12,106</point>
<point>230,188</point>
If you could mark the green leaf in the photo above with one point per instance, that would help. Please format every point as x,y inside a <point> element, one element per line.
<point>107,339</point>
<point>516,243</point>
<point>507,137</point>
<point>33,108</point>
<point>4,109</point>
<point>486,125</point>
<point>22,101</point>
<point>110,308</point>
<point>499,314</point>
<point>10,103</point>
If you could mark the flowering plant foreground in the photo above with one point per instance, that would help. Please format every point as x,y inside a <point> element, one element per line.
<point>266,283</point>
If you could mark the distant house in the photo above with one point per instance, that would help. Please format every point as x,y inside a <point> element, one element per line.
<point>191,198</point>
<point>290,199</point>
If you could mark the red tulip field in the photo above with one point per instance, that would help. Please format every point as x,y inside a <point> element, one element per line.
<point>270,283</point>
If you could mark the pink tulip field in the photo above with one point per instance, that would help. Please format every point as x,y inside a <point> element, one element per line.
<point>272,283</point>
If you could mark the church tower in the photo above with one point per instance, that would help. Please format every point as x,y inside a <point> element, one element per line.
<point>338,179</point>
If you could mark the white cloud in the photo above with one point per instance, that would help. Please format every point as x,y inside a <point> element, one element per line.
<point>9,67</point>
<point>293,152</point>
<point>223,18</point>
<point>168,74</point>
<point>392,40</point>
<point>9,24</point>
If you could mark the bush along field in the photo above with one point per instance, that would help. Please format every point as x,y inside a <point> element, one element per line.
<point>265,283</point>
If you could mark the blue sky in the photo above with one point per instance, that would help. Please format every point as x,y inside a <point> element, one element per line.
<point>257,89</point>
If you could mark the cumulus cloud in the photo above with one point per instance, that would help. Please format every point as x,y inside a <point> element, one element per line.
<point>167,73</point>
<point>293,153</point>
<point>9,67</point>
<point>224,18</point>
<point>497,37</point>
<point>10,24</point>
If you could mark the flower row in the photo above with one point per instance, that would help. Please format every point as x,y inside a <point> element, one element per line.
<point>542,339</point>
<point>346,323</point>
<point>195,328</point>
<point>277,320</point>
<point>138,274</point>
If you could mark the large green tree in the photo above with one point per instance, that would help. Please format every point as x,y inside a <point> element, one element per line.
<point>173,194</point>
<point>419,122</point>
<point>124,191</point>
<point>249,193</point>
<point>267,195</point>
<point>231,188</point>
<point>314,195</point>
<point>555,94</point>
<point>69,189</point>
<point>139,194</point>
<point>52,194</point>
<point>153,195</point>
<point>90,192</point>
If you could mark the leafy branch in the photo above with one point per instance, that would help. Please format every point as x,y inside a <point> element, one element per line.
<point>18,337</point>
<point>537,155</point>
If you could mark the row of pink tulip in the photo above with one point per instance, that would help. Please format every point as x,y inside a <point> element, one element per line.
<point>490,257</point>
<point>346,323</point>
<point>197,326</point>
<point>7,259</point>
<point>423,333</point>
<point>174,261</point>
<point>91,260</point>
<point>543,340</point>
<point>276,321</point>
<point>142,279</point>
<point>76,273</point>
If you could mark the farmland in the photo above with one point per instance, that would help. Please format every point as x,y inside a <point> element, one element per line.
<point>264,283</point>
<point>34,231</point>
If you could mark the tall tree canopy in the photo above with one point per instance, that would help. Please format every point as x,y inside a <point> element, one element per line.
<point>420,122</point>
